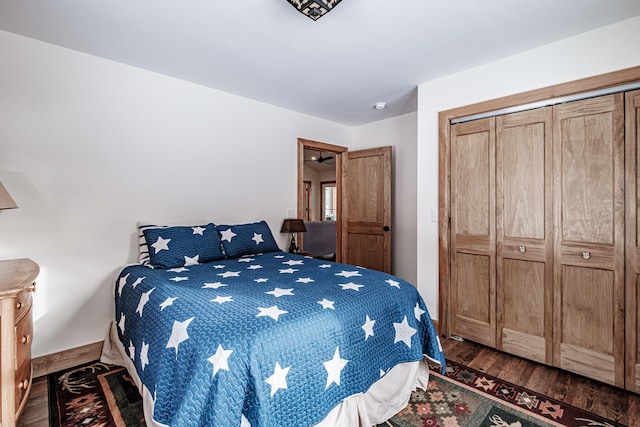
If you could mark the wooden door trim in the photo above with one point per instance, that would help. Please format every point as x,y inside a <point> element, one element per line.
<point>338,151</point>
<point>625,76</point>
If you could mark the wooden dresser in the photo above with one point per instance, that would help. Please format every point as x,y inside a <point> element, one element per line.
<point>17,282</point>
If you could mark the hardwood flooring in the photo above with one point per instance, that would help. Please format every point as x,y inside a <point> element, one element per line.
<point>607,401</point>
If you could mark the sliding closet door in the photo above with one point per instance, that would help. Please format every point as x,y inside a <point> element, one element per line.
<point>524,234</point>
<point>473,231</point>
<point>632,135</point>
<point>589,238</point>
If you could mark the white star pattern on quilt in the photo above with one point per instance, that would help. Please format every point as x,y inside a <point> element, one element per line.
<point>178,270</point>
<point>220,299</point>
<point>121,282</point>
<point>132,351</point>
<point>279,256</point>
<point>198,230</point>
<point>351,285</point>
<point>137,282</point>
<point>368,328</point>
<point>348,273</point>
<point>293,262</point>
<point>325,266</point>
<point>254,267</point>
<point>121,323</point>
<point>288,271</point>
<point>277,292</point>
<point>229,274</point>
<point>166,303</point>
<point>305,280</point>
<point>257,238</point>
<point>334,368</point>
<point>219,266</point>
<point>215,285</point>
<point>161,244</point>
<point>246,259</point>
<point>189,261</point>
<point>220,360</point>
<point>178,334</point>
<point>261,280</point>
<point>325,303</point>
<point>273,312</point>
<point>144,355</point>
<point>393,283</point>
<point>278,380</point>
<point>179,278</point>
<point>404,332</point>
<point>144,298</point>
<point>418,312</point>
<point>227,235</point>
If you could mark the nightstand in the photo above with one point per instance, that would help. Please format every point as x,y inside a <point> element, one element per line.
<point>17,283</point>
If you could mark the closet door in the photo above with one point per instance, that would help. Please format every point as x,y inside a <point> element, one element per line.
<point>473,231</point>
<point>524,234</point>
<point>589,241</point>
<point>632,329</point>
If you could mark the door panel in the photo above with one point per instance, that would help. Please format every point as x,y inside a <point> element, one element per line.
<point>524,234</point>
<point>632,323</point>
<point>473,231</point>
<point>589,238</point>
<point>367,207</point>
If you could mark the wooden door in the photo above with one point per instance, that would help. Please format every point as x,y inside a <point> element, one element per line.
<point>473,282</point>
<point>589,238</point>
<point>524,234</point>
<point>632,325</point>
<point>367,209</point>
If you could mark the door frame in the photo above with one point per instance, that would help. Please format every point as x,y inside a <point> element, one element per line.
<point>338,151</point>
<point>625,76</point>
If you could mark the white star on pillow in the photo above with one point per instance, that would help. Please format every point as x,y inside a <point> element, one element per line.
<point>198,230</point>
<point>257,238</point>
<point>188,261</point>
<point>228,235</point>
<point>161,244</point>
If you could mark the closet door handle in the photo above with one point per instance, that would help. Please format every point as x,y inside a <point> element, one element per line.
<point>522,249</point>
<point>586,254</point>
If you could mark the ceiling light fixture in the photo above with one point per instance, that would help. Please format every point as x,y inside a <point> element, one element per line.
<point>380,105</point>
<point>314,9</point>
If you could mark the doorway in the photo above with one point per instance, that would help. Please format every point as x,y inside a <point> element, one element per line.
<point>310,207</point>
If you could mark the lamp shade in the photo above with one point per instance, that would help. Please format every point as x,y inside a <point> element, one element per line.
<point>6,202</point>
<point>293,225</point>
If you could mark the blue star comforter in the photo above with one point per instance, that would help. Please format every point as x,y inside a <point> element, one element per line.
<point>275,339</point>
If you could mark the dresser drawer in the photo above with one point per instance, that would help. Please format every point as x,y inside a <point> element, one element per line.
<point>24,337</point>
<point>23,303</point>
<point>23,384</point>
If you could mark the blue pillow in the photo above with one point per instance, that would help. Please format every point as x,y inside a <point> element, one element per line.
<point>247,239</point>
<point>183,246</point>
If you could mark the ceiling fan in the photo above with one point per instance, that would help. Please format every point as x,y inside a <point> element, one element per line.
<point>321,159</point>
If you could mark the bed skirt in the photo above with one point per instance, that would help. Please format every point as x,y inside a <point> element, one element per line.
<point>385,398</point>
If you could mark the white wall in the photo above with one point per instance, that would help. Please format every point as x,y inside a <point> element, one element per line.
<point>401,133</point>
<point>88,147</point>
<point>596,52</point>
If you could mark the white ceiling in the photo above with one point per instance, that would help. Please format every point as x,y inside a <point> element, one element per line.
<point>336,68</point>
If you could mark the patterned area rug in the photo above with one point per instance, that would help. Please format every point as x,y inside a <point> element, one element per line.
<point>102,395</point>
<point>94,395</point>
<point>466,397</point>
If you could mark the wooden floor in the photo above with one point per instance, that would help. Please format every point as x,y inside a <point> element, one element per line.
<point>604,400</point>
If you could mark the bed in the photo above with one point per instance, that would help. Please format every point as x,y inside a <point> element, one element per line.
<point>221,328</point>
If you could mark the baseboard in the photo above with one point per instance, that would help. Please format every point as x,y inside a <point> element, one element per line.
<point>66,359</point>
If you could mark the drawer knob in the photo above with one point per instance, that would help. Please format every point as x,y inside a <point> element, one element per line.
<point>586,254</point>
<point>19,305</point>
<point>522,249</point>
<point>26,339</point>
<point>32,287</point>
<point>22,385</point>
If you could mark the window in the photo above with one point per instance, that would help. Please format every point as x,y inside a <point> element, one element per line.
<point>329,202</point>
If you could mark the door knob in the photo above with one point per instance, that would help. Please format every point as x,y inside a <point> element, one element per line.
<point>386,228</point>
